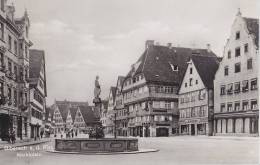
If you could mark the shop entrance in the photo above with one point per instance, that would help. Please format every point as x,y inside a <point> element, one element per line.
<point>162,132</point>
<point>192,129</point>
<point>5,126</point>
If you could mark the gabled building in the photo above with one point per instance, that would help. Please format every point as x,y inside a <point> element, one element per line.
<point>103,114</point>
<point>14,72</point>
<point>121,111</point>
<point>109,129</point>
<point>150,89</point>
<point>48,122</point>
<point>196,96</point>
<point>60,116</point>
<point>61,110</point>
<point>236,81</point>
<point>38,91</point>
<point>84,118</point>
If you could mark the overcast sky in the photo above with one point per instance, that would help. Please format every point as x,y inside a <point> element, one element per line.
<point>83,38</point>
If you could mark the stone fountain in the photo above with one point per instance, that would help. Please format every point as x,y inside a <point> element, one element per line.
<point>96,143</point>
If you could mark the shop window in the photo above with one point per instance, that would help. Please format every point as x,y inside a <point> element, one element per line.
<point>250,64</point>
<point>223,90</point>
<point>245,86</point>
<point>237,87</point>
<point>237,106</point>
<point>254,105</point>
<point>237,52</point>
<point>253,84</point>
<point>245,105</point>
<point>237,67</point>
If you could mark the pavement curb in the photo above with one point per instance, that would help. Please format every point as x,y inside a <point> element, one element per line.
<point>105,153</point>
<point>24,144</point>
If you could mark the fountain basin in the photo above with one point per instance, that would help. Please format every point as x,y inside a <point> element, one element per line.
<point>105,145</point>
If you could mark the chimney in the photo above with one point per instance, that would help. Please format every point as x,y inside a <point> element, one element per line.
<point>208,48</point>
<point>149,43</point>
<point>239,12</point>
<point>169,45</point>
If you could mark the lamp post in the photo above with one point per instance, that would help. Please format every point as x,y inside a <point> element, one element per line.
<point>115,124</point>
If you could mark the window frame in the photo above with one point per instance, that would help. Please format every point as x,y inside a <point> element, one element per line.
<point>239,67</point>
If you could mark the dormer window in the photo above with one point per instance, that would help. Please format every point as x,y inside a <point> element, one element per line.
<point>237,35</point>
<point>174,67</point>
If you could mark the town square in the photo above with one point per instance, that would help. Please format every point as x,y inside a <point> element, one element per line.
<point>129,82</point>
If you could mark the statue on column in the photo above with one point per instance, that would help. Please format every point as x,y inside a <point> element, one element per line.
<point>97,90</point>
<point>97,131</point>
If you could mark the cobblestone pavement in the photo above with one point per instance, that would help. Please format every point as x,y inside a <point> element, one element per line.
<point>173,150</point>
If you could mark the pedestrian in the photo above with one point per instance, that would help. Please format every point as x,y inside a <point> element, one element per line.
<point>72,134</point>
<point>41,134</point>
<point>13,137</point>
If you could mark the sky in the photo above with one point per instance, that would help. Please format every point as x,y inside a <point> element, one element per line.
<point>85,38</point>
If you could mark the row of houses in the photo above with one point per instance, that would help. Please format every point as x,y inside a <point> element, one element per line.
<point>64,116</point>
<point>187,91</point>
<point>22,77</point>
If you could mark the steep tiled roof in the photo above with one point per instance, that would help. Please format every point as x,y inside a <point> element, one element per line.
<point>157,61</point>
<point>64,109</point>
<point>72,103</point>
<point>206,67</point>
<point>120,81</point>
<point>253,28</point>
<point>87,114</point>
<point>73,111</point>
<point>35,62</point>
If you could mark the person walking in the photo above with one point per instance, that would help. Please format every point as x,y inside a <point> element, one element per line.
<point>13,137</point>
<point>41,134</point>
<point>72,133</point>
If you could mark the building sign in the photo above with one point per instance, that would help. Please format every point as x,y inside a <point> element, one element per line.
<point>192,121</point>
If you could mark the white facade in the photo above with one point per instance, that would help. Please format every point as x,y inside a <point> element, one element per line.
<point>236,83</point>
<point>194,104</point>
